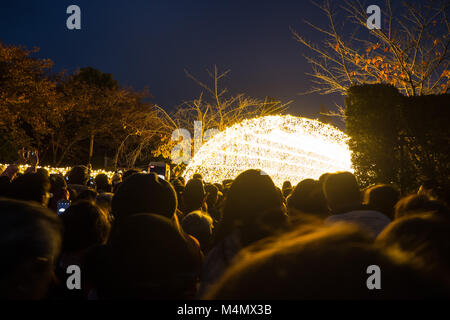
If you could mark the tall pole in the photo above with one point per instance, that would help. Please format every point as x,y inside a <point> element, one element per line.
<point>91,148</point>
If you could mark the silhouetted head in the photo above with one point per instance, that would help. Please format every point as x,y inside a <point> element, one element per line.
<point>43,172</point>
<point>102,183</point>
<point>85,226</point>
<point>57,183</point>
<point>424,238</point>
<point>308,197</point>
<point>341,191</point>
<point>193,195</point>
<point>199,225</point>
<point>31,187</point>
<point>253,206</point>
<point>382,197</point>
<point>130,172</point>
<point>212,195</point>
<point>286,189</point>
<point>58,188</point>
<point>144,193</point>
<point>78,175</point>
<point>416,203</point>
<point>197,176</point>
<point>30,238</point>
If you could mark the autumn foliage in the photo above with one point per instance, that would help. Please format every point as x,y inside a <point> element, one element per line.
<point>410,51</point>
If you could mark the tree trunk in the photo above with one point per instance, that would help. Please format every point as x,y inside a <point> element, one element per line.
<point>91,148</point>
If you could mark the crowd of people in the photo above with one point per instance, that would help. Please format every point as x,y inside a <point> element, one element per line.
<point>138,236</point>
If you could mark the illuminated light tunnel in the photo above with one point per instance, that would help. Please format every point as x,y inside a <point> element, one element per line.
<point>283,146</point>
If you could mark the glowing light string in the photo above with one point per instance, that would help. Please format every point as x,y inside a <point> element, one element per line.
<point>285,147</point>
<point>53,170</point>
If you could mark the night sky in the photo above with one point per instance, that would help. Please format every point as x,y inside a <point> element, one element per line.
<point>146,43</point>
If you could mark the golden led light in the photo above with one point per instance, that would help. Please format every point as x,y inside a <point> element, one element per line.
<point>53,170</point>
<point>285,147</point>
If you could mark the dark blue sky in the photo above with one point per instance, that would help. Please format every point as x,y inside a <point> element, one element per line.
<point>147,43</point>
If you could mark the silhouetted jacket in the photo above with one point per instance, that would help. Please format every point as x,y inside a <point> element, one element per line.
<point>370,220</point>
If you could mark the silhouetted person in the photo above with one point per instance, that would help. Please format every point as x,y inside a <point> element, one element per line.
<point>58,188</point>
<point>382,197</point>
<point>85,227</point>
<point>194,196</point>
<point>307,201</point>
<point>212,201</point>
<point>199,225</point>
<point>252,211</point>
<point>418,203</point>
<point>344,201</point>
<point>329,263</point>
<point>116,180</point>
<point>43,172</point>
<point>147,193</point>
<point>286,189</point>
<point>323,177</point>
<point>148,259</point>
<point>30,238</point>
<point>142,192</point>
<point>102,183</point>
<point>31,187</point>
<point>78,178</point>
<point>78,175</point>
<point>130,172</point>
<point>423,238</point>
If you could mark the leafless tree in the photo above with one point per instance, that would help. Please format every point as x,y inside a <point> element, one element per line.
<point>217,108</point>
